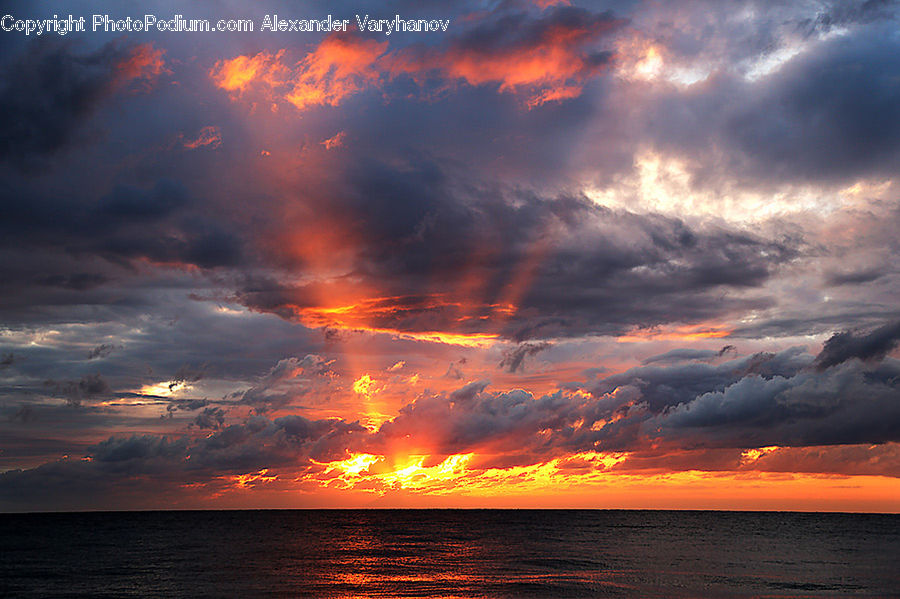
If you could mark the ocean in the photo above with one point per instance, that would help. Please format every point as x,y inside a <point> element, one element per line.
<point>449,553</point>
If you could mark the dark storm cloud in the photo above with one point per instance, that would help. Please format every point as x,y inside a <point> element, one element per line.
<point>840,107</point>
<point>416,228</point>
<point>159,223</point>
<point>476,419</point>
<point>171,346</point>
<point>288,380</point>
<point>90,387</point>
<point>210,418</point>
<point>855,277</point>
<point>101,351</point>
<point>844,405</point>
<point>78,236</point>
<point>519,41</point>
<point>572,267</point>
<point>849,13</point>
<point>663,386</point>
<point>49,91</point>
<point>877,460</point>
<point>683,355</point>
<point>67,257</point>
<point>517,30</point>
<point>514,359</point>
<point>829,114</point>
<point>187,374</point>
<point>753,401</point>
<point>141,470</point>
<point>847,345</point>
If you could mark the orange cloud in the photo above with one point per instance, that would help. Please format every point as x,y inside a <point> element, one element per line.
<point>551,69</point>
<point>238,73</point>
<point>409,317</point>
<point>144,63</point>
<point>335,142</point>
<point>557,94</point>
<point>209,136</point>
<point>550,60</point>
<point>338,67</point>
<point>674,333</point>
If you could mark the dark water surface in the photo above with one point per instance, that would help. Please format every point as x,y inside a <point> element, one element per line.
<point>449,553</point>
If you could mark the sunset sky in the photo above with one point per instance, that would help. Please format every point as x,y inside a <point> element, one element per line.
<point>622,254</point>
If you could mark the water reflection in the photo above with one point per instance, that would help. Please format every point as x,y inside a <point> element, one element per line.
<point>449,553</point>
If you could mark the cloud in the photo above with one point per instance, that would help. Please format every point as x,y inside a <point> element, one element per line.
<point>478,259</point>
<point>238,73</point>
<point>769,401</point>
<point>339,67</point>
<point>210,418</point>
<point>841,406</point>
<point>470,419</point>
<point>103,239</point>
<point>288,380</point>
<point>144,470</point>
<point>208,137</point>
<point>683,355</point>
<point>101,351</point>
<point>825,115</point>
<point>847,345</point>
<point>89,388</point>
<point>547,56</point>
<point>753,401</point>
<point>336,141</point>
<point>514,359</point>
<point>50,91</point>
<point>433,202</point>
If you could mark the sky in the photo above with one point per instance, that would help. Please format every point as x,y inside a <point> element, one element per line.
<point>631,254</point>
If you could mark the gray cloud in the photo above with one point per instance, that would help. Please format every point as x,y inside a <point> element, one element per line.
<point>871,346</point>
<point>144,470</point>
<point>48,93</point>
<point>514,359</point>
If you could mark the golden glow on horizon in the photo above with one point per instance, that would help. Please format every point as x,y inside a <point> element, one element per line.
<point>587,479</point>
<point>590,479</point>
<point>361,470</point>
